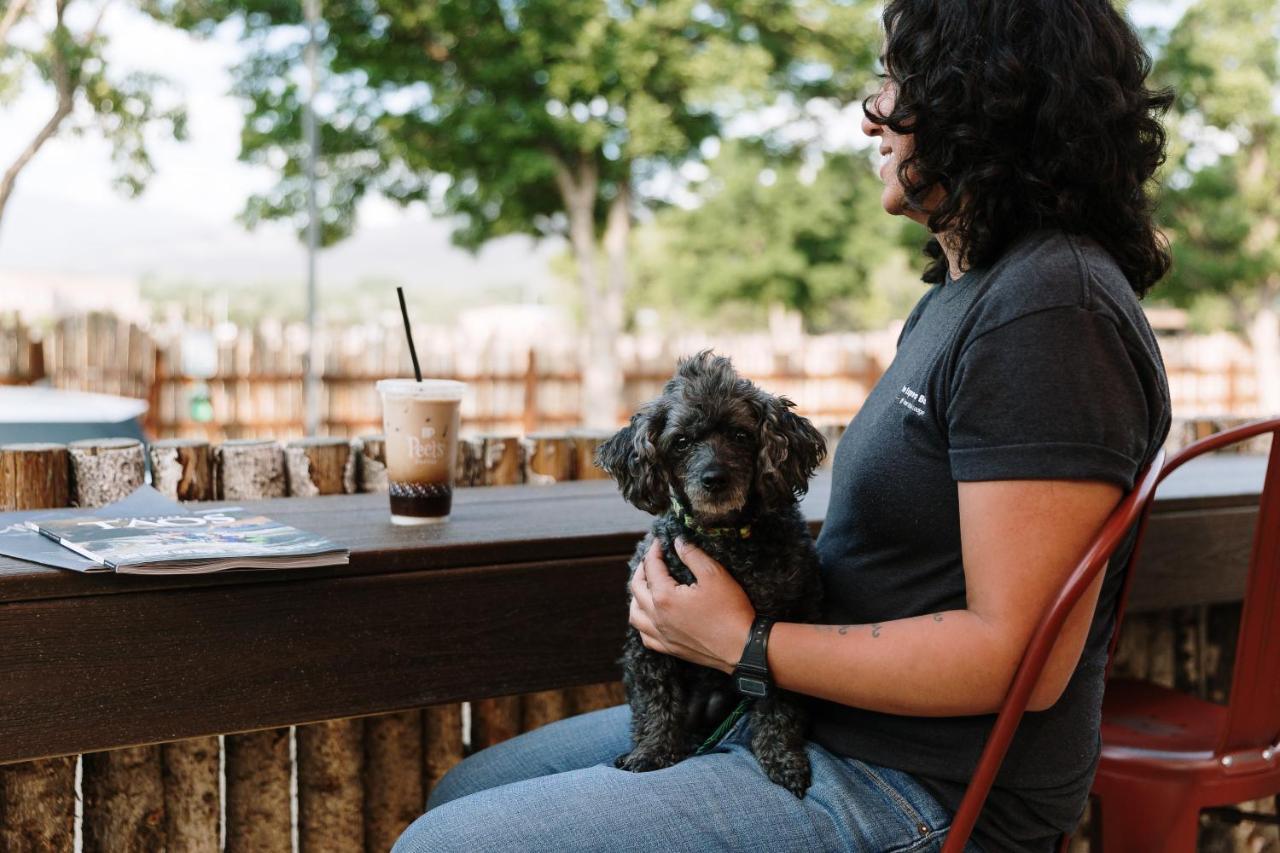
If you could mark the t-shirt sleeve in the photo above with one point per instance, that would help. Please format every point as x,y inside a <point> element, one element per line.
<point>1054,394</point>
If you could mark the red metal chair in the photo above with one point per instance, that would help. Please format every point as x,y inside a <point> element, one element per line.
<point>1132,510</point>
<point>1166,755</point>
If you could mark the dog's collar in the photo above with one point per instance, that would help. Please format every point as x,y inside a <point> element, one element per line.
<point>686,518</point>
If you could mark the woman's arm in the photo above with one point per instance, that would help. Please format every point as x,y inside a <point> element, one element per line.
<point>1020,541</point>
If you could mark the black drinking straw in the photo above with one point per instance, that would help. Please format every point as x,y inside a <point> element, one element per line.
<point>413,353</point>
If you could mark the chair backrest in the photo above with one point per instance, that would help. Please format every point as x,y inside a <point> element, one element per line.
<point>1132,510</point>
<point>1253,713</point>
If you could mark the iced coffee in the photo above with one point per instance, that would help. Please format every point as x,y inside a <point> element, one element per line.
<point>421,421</point>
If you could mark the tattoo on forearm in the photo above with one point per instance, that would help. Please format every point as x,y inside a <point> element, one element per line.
<point>843,629</point>
<point>875,630</point>
<point>937,617</point>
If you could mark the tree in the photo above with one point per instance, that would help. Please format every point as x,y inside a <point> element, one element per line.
<point>71,60</point>
<point>1220,205</point>
<point>539,117</point>
<point>805,237</point>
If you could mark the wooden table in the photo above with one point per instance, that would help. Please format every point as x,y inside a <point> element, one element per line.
<point>522,590</point>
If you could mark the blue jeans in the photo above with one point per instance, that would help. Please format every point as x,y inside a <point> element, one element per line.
<point>555,789</point>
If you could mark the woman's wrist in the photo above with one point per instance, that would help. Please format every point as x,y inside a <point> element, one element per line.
<point>731,654</point>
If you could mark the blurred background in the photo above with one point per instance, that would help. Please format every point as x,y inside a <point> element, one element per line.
<point>572,193</point>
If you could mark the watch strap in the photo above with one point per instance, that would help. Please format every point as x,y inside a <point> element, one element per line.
<point>751,675</point>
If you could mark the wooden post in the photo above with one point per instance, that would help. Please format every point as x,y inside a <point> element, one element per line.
<point>330,799</point>
<point>320,466</point>
<point>585,443</point>
<point>529,421</point>
<point>258,768</point>
<point>37,798</point>
<point>371,463</point>
<point>123,788</point>
<point>393,777</point>
<point>549,459</point>
<point>441,742</point>
<point>182,469</point>
<point>250,469</point>
<point>470,471</point>
<point>105,470</point>
<point>496,719</point>
<point>393,796</point>
<point>330,753</point>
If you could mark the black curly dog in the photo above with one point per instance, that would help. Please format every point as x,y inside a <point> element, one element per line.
<point>722,464</point>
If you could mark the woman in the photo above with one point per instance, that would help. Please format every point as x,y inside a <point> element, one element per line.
<point>1026,394</point>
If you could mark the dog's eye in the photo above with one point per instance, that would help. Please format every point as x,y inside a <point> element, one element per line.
<point>741,436</point>
<point>680,444</point>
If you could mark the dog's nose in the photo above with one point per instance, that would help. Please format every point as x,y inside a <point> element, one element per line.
<point>714,479</point>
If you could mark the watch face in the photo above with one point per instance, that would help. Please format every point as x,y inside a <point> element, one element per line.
<point>748,686</point>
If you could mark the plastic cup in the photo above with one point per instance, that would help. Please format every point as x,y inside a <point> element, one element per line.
<point>421,422</point>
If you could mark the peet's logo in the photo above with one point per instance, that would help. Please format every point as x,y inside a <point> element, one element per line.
<point>425,447</point>
<point>913,400</point>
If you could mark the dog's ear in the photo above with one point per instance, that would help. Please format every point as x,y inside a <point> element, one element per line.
<point>790,450</point>
<point>630,456</point>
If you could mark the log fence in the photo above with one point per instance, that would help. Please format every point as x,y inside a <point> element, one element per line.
<point>248,382</point>
<point>359,782</point>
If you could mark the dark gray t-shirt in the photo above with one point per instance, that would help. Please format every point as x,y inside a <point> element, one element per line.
<point>1041,367</point>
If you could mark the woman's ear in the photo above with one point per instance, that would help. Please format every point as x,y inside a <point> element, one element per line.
<point>791,449</point>
<point>630,456</point>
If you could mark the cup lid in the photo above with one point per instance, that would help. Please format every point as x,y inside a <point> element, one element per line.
<point>427,389</point>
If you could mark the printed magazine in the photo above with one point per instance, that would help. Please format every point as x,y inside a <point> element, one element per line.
<point>191,540</point>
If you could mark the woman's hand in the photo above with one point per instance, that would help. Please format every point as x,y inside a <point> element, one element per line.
<point>705,622</point>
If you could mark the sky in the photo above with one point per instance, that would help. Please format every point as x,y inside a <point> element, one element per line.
<point>65,218</point>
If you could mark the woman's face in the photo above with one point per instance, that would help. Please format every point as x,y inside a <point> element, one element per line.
<point>894,148</point>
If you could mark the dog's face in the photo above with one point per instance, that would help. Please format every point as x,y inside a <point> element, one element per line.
<point>716,441</point>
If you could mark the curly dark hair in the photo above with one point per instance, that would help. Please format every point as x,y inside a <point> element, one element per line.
<point>1028,114</point>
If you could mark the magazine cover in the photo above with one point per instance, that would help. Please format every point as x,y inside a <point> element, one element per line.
<point>191,539</point>
<point>20,539</point>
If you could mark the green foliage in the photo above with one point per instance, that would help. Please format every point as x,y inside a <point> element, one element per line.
<point>771,234</point>
<point>1219,205</point>
<point>88,96</point>
<point>481,108</point>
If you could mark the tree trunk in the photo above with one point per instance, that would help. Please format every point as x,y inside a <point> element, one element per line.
<point>1264,337</point>
<point>601,376</point>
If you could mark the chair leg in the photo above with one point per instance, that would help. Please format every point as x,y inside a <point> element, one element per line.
<point>1150,817</point>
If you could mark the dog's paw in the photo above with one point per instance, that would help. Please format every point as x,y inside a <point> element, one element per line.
<point>638,761</point>
<point>790,770</point>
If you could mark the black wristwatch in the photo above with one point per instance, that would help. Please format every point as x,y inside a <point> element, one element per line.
<point>751,675</point>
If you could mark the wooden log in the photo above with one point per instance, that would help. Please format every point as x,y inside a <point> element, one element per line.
<point>330,798</point>
<point>470,470</point>
<point>593,697</point>
<point>320,466</point>
<point>585,443</point>
<point>123,788</point>
<point>33,476</point>
<point>258,767</point>
<point>123,801</point>
<point>371,463</point>
<point>503,460</point>
<point>498,718</point>
<point>250,469</point>
<point>393,777</point>
<point>545,706</point>
<point>441,742</point>
<point>189,770</point>
<point>550,458</point>
<point>37,798</point>
<point>258,799</point>
<point>182,469</point>
<point>105,470</point>
<point>330,753</point>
